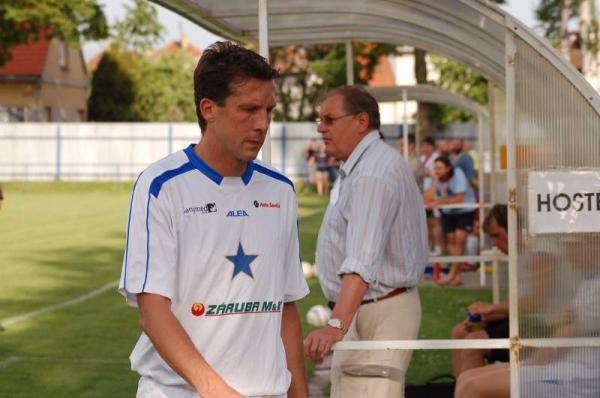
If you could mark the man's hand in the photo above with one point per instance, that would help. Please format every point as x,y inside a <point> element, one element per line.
<point>483,309</point>
<point>319,343</point>
<point>430,205</point>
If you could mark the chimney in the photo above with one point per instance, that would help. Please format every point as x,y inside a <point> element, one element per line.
<point>185,41</point>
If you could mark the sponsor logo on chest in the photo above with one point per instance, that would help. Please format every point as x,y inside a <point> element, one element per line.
<point>267,205</point>
<point>207,208</point>
<point>237,213</point>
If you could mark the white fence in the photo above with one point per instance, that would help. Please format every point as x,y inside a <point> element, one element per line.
<point>120,151</point>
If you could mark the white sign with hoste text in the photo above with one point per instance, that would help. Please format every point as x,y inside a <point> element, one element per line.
<point>564,201</point>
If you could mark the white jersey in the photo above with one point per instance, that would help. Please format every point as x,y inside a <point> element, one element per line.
<point>225,251</point>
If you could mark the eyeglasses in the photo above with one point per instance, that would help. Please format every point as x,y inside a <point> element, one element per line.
<point>328,120</point>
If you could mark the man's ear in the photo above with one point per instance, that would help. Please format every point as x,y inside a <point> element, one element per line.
<point>363,120</point>
<point>207,108</point>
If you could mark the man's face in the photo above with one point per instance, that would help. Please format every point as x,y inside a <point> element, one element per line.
<point>426,149</point>
<point>498,236</point>
<point>241,124</point>
<point>341,131</point>
<point>456,145</point>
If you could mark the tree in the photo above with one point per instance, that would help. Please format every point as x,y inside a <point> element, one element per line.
<point>557,16</point>
<point>306,72</point>
<point>22,21</point>
<point>140,30</point>
<point>167,89</point>
<point>115,84</point>
<point>459,79</point>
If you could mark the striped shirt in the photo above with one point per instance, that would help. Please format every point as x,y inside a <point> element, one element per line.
<point>375,223</point>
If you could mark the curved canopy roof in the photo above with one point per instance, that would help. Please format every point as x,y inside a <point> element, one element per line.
<point>470,31</point>
<point>427,93</point>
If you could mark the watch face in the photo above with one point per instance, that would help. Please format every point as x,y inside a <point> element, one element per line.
<point>336,323</point>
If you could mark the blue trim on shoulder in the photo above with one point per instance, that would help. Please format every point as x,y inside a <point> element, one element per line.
<point>159,181</point>
<point>211,173</point>
<point>274,174</point>
<point>248,173</point>
<point>128,225</point>
<point>203,167</point>
<point>147,242</point>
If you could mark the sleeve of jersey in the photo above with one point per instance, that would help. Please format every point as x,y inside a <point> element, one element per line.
<point>295,284</point>
<point>150,249</point>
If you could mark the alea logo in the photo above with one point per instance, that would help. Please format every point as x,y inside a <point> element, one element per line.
<point>237,213</point>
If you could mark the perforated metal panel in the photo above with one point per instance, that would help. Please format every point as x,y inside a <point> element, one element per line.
<point>558,273</point>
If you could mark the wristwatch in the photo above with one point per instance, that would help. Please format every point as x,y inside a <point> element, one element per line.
<point>337,324</point>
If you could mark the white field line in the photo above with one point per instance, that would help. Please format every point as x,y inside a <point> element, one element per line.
<point>93,361</point>
<point>4,323</point>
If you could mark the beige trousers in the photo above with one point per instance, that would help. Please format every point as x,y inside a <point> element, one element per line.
<point>377,373</point>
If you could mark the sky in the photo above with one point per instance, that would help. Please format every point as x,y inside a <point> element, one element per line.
<point>176,25</point>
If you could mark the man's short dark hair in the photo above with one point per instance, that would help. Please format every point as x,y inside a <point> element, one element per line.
<point>429,140</point>
<point>358,100</point>
<point>498,213</point>
<point>222,64</point>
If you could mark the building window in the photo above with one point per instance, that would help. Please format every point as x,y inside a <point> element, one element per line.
<point>63,55</point>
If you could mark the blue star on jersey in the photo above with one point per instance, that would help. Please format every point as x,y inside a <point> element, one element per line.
<point>241,262</point>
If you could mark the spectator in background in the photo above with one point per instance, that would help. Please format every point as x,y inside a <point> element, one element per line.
<point>429,154</point>
<point>462,160</point>
<point>322,164</point>
<point>443,148</point>
<point>1,197</point>
<point>450,186</point>
<point>494,317</point>
<point>552,372</point>
<point>469,150</point>
<point>414,161</point>
<point>310,155</point>
<point>334,170</point>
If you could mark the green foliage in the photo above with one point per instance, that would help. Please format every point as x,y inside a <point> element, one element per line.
<point>548,13</point>
<point>166,92</point>
<point>140,29</point>
<point>458,79</point>
<point>306,72</point>
<point>27,20</point>
<point>130,87</point>
<point>115,86</point>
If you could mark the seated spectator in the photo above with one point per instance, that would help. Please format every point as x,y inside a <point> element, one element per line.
<point>450,186</point>
<point>551,372</point>
<point>494,317</point>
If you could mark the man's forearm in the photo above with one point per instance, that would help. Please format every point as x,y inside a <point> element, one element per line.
<point>175,346</point>
<point>351,295</point>
<point>291,334</point>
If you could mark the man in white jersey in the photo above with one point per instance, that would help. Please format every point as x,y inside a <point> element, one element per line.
<point>371,250</point>
<point>212,257</point>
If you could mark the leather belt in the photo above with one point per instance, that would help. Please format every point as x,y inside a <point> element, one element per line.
<point>393,293</point>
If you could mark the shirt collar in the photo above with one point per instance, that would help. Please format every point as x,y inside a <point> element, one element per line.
<point>211,173</point>
<point>347,166</point>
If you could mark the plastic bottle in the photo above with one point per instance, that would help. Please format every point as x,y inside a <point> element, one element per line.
<point>475,321</point>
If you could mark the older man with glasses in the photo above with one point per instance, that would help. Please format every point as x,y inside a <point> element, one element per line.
<point>371,251</point>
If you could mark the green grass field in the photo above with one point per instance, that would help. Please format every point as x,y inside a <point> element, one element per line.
<point>59,241</point>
